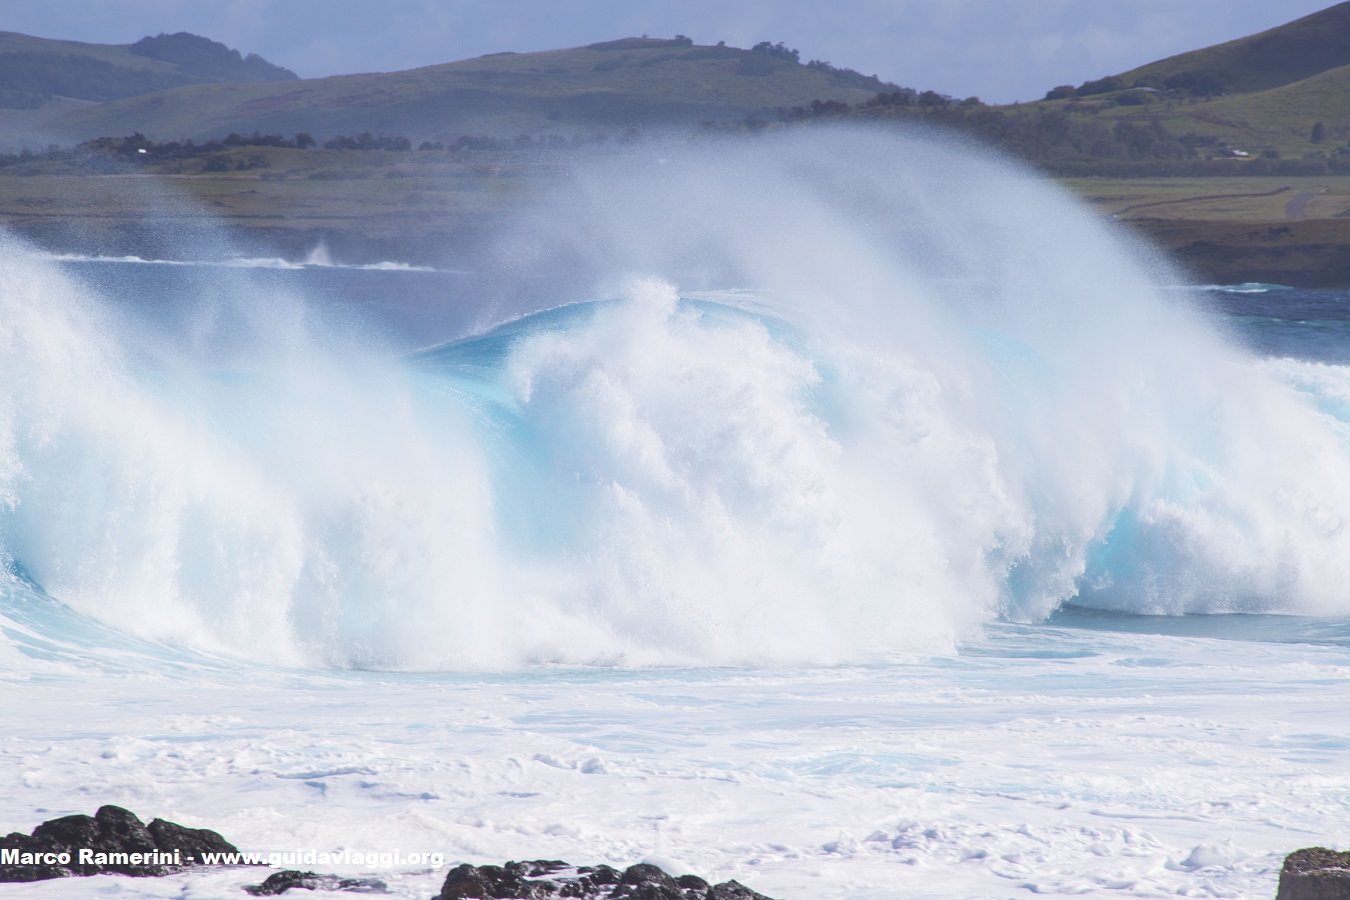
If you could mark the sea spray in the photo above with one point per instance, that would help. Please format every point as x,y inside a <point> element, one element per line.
<point>277,500</point>
<point>1150,466</point>
<point>851,394</point>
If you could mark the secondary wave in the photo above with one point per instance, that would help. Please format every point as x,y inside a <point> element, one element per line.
<point>948,396</point>
<point>318,258</point>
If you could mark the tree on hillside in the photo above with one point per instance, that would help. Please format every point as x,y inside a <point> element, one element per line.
<point>779,50</point>
<point>1100,86</point>
<point>1197,84</point>
<point>1319,133</point>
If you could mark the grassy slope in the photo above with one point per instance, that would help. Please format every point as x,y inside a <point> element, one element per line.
<point>87,71</point>
<point>350,195</point>
<point>114,54</point>
<point>41,80</point>
<point>1237,201</point>
<point>1285,115</point>
<point>561,91</point>
<point>1279,56</point>
<point>1230,230</point>
<point>436,207</point>
<point>1277,85</point>
<point>1279,119</point>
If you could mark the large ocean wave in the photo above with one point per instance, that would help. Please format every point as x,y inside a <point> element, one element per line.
<point>846,395</point>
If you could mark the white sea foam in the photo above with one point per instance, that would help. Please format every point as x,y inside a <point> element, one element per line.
<point>1043,760</point>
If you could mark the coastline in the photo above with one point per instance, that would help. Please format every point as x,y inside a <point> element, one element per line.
<point>1311,254</point>
<point>1306,254</point>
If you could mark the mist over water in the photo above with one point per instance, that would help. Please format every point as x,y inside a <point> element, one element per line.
<point>829,395</point>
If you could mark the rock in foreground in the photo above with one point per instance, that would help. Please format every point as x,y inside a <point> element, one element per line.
<point>111,840</point>
<point>1315,873</point>
<point>283,881</point>
<point>548,878</point>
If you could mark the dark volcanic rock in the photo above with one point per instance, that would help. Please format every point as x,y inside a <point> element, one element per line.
<point>693,883</point>
<point>511,880</point>
<point>1315,873</point>
<point>591,881</point>
<point>190,842</point>
<point>114,841</point>
<point>734,890</point>
<point>647,882</point>
<point>280,882</point>
<point>551,878</point>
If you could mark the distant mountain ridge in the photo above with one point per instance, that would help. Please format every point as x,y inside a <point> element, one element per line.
<point>209,60</point>
<point>605,87</point>
<point>34,70</point>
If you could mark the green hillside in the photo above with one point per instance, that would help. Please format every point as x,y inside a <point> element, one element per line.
<point>1281,118</point>
<point>34,70</point>
<point>1277,123</point>
<point>1280,56</point>
<point>1274,103</point>
<point>614,85</point>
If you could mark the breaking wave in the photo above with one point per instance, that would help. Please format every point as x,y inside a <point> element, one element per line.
<point>848,395</point>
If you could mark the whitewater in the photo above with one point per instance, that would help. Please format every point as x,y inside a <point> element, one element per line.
<point>852,515</point>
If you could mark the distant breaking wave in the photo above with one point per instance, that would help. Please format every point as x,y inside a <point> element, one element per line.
<point>847,396</point>
<point>248,263</point>
<point>1247,287</point>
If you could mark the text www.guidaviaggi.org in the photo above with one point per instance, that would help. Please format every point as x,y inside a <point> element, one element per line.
<point>382,859</point>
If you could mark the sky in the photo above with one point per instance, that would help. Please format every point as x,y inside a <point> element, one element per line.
<point>998,50</point>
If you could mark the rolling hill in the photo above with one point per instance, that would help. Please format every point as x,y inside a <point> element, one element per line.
<point>1270,59</point>
<point>1277,123</point>
<point>41,80</point>
<point>33,70</point>
<point>1282,94</point>
<point>638,82</point>
<point>1281,118</point>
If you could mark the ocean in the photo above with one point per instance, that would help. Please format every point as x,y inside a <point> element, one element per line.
<point>851,516</point>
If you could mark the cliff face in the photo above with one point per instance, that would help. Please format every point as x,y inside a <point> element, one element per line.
<point>1313,253</point>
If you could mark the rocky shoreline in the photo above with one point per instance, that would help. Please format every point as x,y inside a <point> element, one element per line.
<point>115,841</point>
<point>553,878</point>
<point>1312,253</point>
